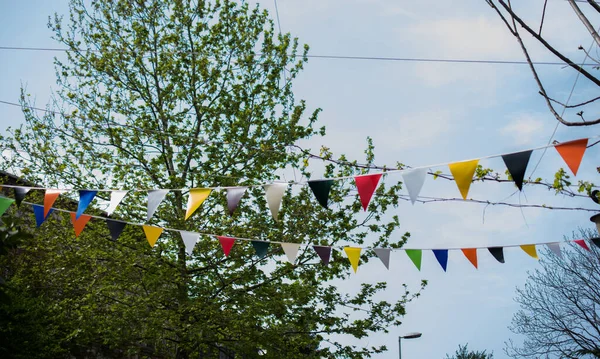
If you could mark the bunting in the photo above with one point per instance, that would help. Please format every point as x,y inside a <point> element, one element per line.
<point>366,185</point>
<point>20,193</point>
<point>324,253</point>
<point>261,248</point>
<point>415,256</point>
<point>152,234</point>
<point>49,198</point>
<point>596,241</point>
<point>516,163</point>
<point>321,189</point>
<point>291,251</point>
<point>4,204</point>
<point>572,153</point>
<point>115,228</point>
<point>189,240</point>
<point>442,257</point>
<point>85,198</point>
<point>414,180</point>
<point>555,248</point>
<point>582,244</point>
<point>274,194</point>
<point>38,211</point>
<point>463,175</point>
<point>115,199</point>
<point>530,249</point>
<point>155,197</point>
<point>226,243</point>
<point>234,195</point>
<point>353,254</point>
<point>196,197</point>
<point>79,223</point>
<point>498,253</point>
<point>384,256</point>
<point>471,254</point>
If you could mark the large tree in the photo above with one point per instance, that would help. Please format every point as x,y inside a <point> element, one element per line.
<point>560,306</point>
<point>192,94</point>
<point>464,353</point>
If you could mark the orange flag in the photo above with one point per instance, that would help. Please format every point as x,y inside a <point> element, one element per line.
<point>572,153</point>
<point>79,223</point>
<point>471,254</point>
<point>463,175</point>
<point>49,198</point>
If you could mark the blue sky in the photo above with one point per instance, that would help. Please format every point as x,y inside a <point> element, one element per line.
<point>419,114</point>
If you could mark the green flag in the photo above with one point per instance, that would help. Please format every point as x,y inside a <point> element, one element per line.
<point>4,204</point>
<point>415,257</point>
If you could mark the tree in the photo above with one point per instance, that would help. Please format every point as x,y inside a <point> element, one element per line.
<point>464,353</point>
<point>560,306</point>
<point>184,94</point>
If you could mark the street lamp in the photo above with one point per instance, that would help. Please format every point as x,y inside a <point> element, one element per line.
<point>414,335</point>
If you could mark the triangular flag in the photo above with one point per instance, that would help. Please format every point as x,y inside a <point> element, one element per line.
<point>234,195</point>
<point>572,153</point>
<point>152,234</point>
<point>353,254</point>
<point>155,197</point>
<point>115,228</point>
<point>596,241</point>
<point>366,186</point>
<point>226,244</point>
<point>20,193</point>
<point>516,163</point>
<point>274,193</point>
<point>324,253</point>
<point>582,244</point>
<point>85,198</point>
<point>79,223</point>
<point>260,248</point>
<point>49,198</point>
<point>195,199</point>
<point>4,204</point>
<point>442,257</point>
<point>38,211</point>
<point>413,180</point>
<point>189,239</point>
<point>291,251</point>
<point>498,253</point>
<point>115,199</point>
<point>471,254</point>
<point>384,255</point>
<point>530,249</point>
<point>415,256</point>
<point>463,175</point>
<point>320,189</point>
<point>555,248</point>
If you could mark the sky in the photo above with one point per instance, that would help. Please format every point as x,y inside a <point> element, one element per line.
<point>418,113</point>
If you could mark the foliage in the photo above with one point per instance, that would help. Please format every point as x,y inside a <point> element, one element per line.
<point>464,353</point>
<point>183,94</point>
<point>559,306</point>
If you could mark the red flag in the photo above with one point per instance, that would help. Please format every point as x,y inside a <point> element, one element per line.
<point>582,243</point>
<point>226,243</point>
<point>366,186</point>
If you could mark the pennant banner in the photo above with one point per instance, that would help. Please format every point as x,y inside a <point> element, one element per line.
<point>38,211</point>
<point>85,198</point>
<point>321,189</point>
<point>353,254</point>
<point>291,251</point>
<point>516,163</point>
<point>4,204</point>
<point>471,254</point>
<point>274,193</point>
<point>555,248</point>
<point>152,234</point>
<point>79,223</point>
<point>463,175</point>
<point>226,243</point>
<point>384,255</point>
<point>234,195</point>
<point>572,153</point>
<point>582,244</point>
<point>196,197</point>
<point>498,253</point>
<point>189,240</point>
<point>366,186</point>
<point>442,257</point>
<point>261,248</point>
<point>414,180</point>
<point>596,241</point>
<point>115,199</point>
<point>115,228</point>
<point>155,197</point>
<point>324,253</point>
<point>415,256</point>
<point>20,193</point>
<point>530,249</point>
<point>49,198</point>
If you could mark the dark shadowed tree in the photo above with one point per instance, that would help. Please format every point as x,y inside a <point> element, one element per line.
<point>464,353</point>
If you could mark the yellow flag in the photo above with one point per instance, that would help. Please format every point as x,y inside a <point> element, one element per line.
<point>353,254</point>
<point>152,234</point>
<point>195,199</point>
<point>530,249</point>
<point>463,175</point>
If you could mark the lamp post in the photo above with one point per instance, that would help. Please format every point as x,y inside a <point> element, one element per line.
<point>407,336</point>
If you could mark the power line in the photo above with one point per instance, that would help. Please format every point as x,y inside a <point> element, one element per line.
<point>345,57</point>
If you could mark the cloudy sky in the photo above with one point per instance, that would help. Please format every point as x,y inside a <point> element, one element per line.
<point>418,113</point>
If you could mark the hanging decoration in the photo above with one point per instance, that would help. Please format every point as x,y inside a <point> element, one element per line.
<point>5,203</point>
<point>353,254</point>
<point>234,195</point>
<point>320,189</point>
<point>414,180</point>
<point>572,153</point>
<point>115,228</point>
<point>261,248</point>
<point>196,197</point>
<point>471,254</point>
<point>516,163</point>
<point>415,256</point>
<point>463,175</point>
<point>79,223</point>
<point>324,253</point>
<point>85,198</point>
<point>189,240</point>
<point>530,249</point>
<point>152,234</point>
<point>40,217</point>
<point>49,198</point>
<point>291,251</point>
<point>226,243</point>
<point>442,257</point>
<point>366,185</point>
<point>498,253</point>
<point>155,197</point>
<point>115,199</point>
<point>384,256</point>
<point>20,193</point>
<point>274,194</point>
<point>582,244</point>
<point>555,248</point>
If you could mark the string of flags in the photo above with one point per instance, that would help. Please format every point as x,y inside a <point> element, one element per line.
<point>463,171</point>
<point>291,250</point>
